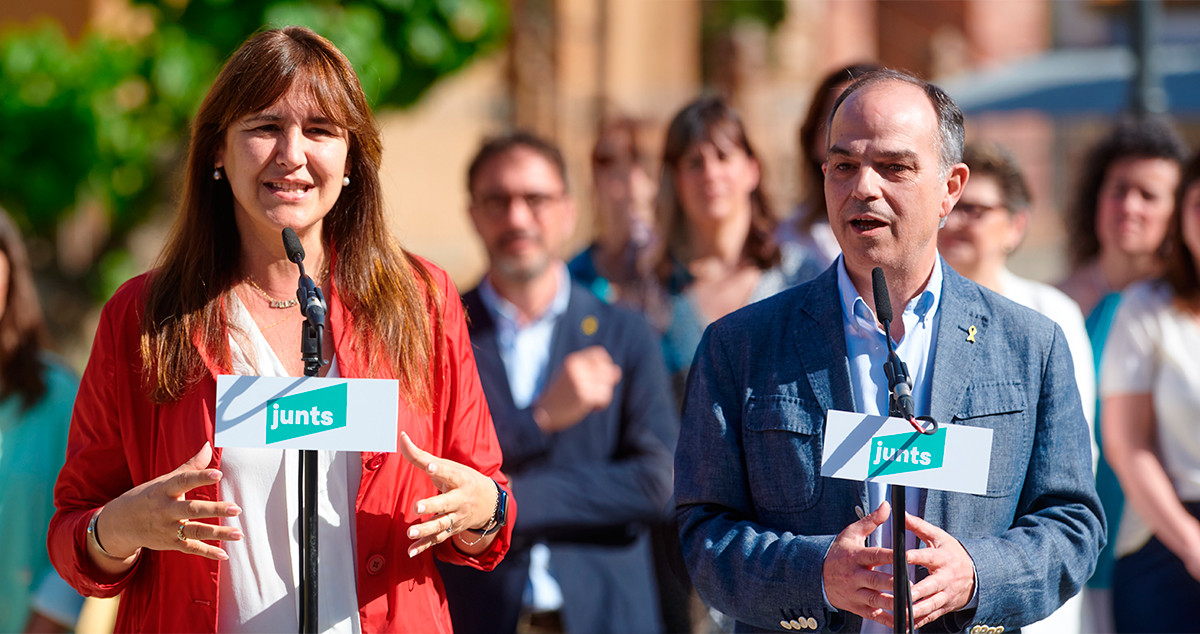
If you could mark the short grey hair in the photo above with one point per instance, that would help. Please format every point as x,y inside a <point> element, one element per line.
<point>951,132</point>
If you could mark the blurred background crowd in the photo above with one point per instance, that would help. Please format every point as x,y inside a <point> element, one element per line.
<point>1080,115</point>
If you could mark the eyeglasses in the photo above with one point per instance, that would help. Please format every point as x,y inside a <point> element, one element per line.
<point>498,204</point>
<point>969,211</point>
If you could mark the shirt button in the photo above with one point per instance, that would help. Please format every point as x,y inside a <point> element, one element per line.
<point>376,462</point>
<point>795,624</point>
<point>812,623</point>
<point>375,564</point>
<point>785,625</point>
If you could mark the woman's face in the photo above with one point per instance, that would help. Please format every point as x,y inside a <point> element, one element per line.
<point>285,165</point>
<point>5,276</point>
<point>714,179</point>
<point>1134,205</point>
<point>819,142</point>
<point>981,231</point>
<point>625,199</point>
<point>1191,221</point>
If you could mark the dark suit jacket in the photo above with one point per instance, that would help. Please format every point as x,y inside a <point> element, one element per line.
<point>756,517</point>
<point>588,491</point>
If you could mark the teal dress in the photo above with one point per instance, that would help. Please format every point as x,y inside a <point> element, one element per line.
<point>1107,487</point>
<point>33,445</point>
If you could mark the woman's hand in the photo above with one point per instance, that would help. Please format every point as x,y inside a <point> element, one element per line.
<point>467,500</point>
<point>155,515</point>
<point>1129,428</point>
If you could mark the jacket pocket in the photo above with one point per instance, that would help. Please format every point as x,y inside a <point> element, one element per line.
<point>783,452</point>
<point>1001,406</point>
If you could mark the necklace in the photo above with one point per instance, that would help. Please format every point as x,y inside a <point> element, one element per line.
<point>276,323</point>
<point>272,302</point>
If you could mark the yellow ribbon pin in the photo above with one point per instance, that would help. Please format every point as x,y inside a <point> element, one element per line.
<point>971,334</point>
<point>589,325</point>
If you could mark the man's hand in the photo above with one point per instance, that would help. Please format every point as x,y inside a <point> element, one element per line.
<point>851,581</point>
<point>951,580</point>
<point>583,384</point>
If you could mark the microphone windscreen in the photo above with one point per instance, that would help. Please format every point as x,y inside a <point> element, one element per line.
<point>883,305</point>
<point>291,244</point>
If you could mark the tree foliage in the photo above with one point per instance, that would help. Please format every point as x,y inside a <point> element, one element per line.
<point>103,120</point>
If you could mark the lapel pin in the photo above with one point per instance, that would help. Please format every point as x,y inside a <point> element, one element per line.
<point>589,325</point>
<point>971,334</point>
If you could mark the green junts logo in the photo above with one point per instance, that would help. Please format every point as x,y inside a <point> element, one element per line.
<point>902,453</point>
<point>306,413</point>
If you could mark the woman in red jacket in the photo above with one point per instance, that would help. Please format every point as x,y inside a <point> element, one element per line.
<point>204,539</point>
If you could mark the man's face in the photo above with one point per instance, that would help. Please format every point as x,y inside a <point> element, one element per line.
<point>522,214</point>
<point>883,186</point>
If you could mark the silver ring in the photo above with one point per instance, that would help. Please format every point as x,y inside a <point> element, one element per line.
<point>179,533</point>
<point>451,529</point>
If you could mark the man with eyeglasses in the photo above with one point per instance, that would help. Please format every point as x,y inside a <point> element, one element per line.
<point>582,406</point>
<point>987,225</point>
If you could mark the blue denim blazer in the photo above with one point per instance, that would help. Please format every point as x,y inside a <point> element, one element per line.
<point>756,517</point>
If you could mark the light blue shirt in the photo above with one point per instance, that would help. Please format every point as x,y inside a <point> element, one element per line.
<point>867,352</point>
<point>525,351</point>
<point>525,348</point>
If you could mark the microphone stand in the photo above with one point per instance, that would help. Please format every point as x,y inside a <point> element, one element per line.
<point>897,374</point>
<point>312,304</point>
<point>901,405</point>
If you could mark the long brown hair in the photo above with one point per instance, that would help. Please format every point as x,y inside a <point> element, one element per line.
<point>1181,263</point>
<point>701,120</point>
<point>386,290</point>
<point>816,122</point>
<point>22,330</point>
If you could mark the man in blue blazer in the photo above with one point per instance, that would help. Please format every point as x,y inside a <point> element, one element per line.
<point>582,406</point>
<point>775,545</point>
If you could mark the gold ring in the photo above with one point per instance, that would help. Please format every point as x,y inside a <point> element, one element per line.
<point>179,533</point>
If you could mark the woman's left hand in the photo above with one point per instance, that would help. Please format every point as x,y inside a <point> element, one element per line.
<point>467,498</point>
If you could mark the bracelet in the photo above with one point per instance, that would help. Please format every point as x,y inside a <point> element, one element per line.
<point>95,539</point>
<point>467,543</point>
<point>494,523</point>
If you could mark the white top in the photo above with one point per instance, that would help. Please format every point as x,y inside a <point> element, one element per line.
<point>1154,348</point>
<point>1056,305</point>
<point>1059,307</point>
<point>259,584</point>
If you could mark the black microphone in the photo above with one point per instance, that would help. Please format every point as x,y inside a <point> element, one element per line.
<point>883,305</point>
<point>295,250</point>
<point>901,403</point>
<point>312,302</point>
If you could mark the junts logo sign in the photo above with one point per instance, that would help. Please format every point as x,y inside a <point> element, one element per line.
<point>306,413</point>
<point>903,453</point>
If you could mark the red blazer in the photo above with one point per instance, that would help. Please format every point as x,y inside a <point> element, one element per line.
<point>119,439</point>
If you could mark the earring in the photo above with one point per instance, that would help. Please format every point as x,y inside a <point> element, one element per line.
<point>345,181</point>
<point>217,174</point>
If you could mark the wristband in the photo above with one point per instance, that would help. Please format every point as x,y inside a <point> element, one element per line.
<point>92,537</point>
<point>499,515</point>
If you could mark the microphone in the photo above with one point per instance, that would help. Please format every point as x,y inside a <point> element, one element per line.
<point>901,402</point>
<point>883,304</point>
<point>312,302</point>
<point>295,250</point>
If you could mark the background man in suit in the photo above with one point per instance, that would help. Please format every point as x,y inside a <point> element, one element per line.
<point>771,542</point>
<point>582,406</point>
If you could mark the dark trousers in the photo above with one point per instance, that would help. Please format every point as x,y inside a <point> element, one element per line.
<point>1153,592</point>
